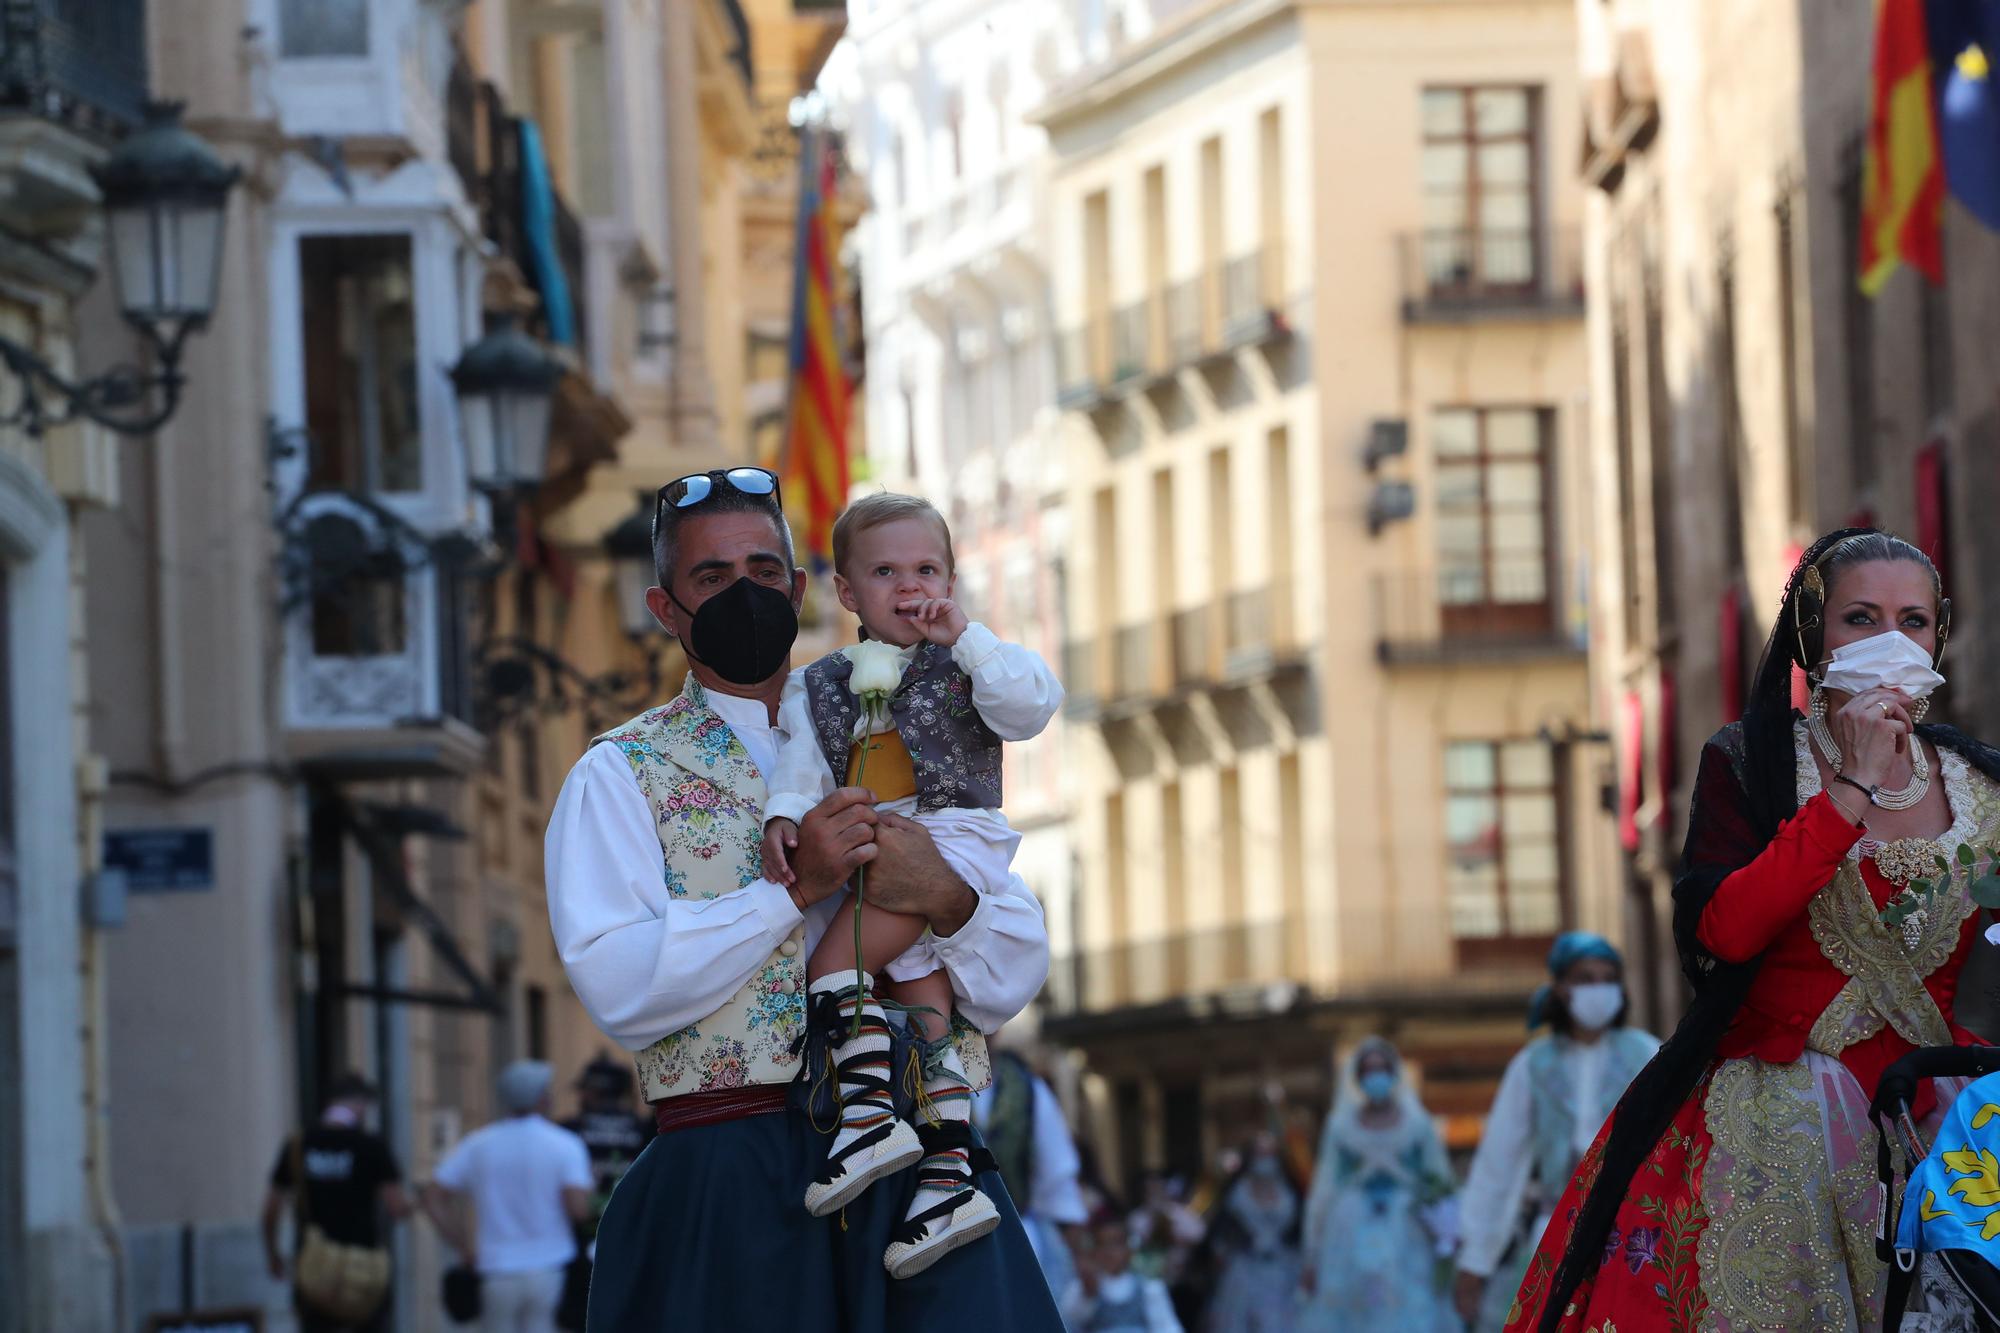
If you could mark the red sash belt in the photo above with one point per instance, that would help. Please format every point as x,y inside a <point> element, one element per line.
<point>717,1105</point>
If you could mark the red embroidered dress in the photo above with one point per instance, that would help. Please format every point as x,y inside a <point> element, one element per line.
<point>1756,1207</point>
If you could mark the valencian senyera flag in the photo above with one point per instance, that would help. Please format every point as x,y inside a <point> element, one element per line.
<point>1903,182</point>
<point>814,466</point>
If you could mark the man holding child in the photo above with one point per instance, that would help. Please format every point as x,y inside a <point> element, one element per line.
<point>688,954</point>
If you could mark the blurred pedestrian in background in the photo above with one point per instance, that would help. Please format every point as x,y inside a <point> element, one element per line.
<point>1555,1096</point>
<point>529,1183</point>
<point>1022,1123</point>
<point>1379,1215</point>
<point>1165,1232</point>
<point>615,1133</point>
<point>352,1180</point>
<point>611,1127</point>
<point>1255,1237</point>
<point>1109,1295</point>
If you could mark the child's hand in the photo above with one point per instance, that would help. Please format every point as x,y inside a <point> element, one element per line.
<point>780,836</point>
<point>938,619</point>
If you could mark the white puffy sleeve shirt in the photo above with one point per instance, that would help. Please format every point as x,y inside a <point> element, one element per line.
<point>645,964</point>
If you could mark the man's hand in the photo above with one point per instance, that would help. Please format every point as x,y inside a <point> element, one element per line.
<point>908,875</point>
<point>938,619</point>
<point>836,836</point>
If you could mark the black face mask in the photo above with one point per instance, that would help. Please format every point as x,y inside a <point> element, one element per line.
<point>744,633</point>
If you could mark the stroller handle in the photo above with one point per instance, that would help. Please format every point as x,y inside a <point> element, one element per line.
<point>1898,1085</point>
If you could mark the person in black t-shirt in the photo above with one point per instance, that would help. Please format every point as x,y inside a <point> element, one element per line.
<point>351,1180</point>
<point>610,1128</point>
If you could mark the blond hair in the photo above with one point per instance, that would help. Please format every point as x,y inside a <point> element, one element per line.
<point>872,511</point>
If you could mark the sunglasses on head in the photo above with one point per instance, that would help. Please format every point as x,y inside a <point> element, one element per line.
<point>689,491</point>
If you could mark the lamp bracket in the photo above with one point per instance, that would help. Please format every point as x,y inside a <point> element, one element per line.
<point>127,399</point>
<point>516,676</point>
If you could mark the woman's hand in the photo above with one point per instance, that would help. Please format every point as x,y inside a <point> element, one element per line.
<point>1468,1290</point>
<point>1871,729</point>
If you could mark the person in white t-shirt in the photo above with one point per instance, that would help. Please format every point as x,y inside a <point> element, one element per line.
<point>528,1181</point>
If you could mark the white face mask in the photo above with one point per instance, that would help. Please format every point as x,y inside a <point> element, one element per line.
<point>1892,661</point>
<point>1594,1005</point>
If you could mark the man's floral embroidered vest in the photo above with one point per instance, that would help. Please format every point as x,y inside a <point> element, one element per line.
<point>708,802</point>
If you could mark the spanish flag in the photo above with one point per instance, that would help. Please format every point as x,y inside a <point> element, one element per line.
<point>1902,179</point>
<point>815,467</point>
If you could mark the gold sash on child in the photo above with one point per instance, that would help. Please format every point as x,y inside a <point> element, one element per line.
<point>889,773</point>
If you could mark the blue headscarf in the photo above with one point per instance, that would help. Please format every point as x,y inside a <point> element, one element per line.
<point>1571,947</point>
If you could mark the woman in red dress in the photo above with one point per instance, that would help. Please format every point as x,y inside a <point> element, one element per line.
<point>1733,1187</point>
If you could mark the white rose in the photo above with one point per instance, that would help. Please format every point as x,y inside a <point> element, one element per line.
<point>878,668</point>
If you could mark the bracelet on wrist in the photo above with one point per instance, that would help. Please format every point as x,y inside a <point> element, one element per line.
<point>1862,787</point>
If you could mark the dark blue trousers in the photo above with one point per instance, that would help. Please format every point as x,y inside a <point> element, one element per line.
<point>708,1233</point>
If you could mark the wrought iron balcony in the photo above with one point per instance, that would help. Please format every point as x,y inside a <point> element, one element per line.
<point>1470,614</point>
<point>82,62</point>
<point>1454,275</point>
<point>1198,647</point>
<point>1083,364</point>
<point>1253,306</point>
<point>1132,358</point>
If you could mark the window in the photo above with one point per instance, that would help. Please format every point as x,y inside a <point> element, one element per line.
<point>1503,840</point>
<point>1481,215</point>
<point>361,365</point>
<point>309,28</point>
<point>1492,521</point>
<point>363,617</point>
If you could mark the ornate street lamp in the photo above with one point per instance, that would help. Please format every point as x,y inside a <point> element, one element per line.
<point>166,197</point>
<point>506,385</point>
<point>630,546</point>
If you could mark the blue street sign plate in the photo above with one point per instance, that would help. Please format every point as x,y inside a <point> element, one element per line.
<point>162,860</point>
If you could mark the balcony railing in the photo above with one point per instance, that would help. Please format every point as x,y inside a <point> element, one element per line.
<point>1470,613</point>
<point>1253,299</point>
<point>1081,686</point>
<point>1458,274</point>
<point>1231,305</point>
<point>1132,342</point>
<point>1144,661</point>
<point>1262,633</point>
<point>1083,364</point>
<point>1198,647</point>
<point>78,61</point>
